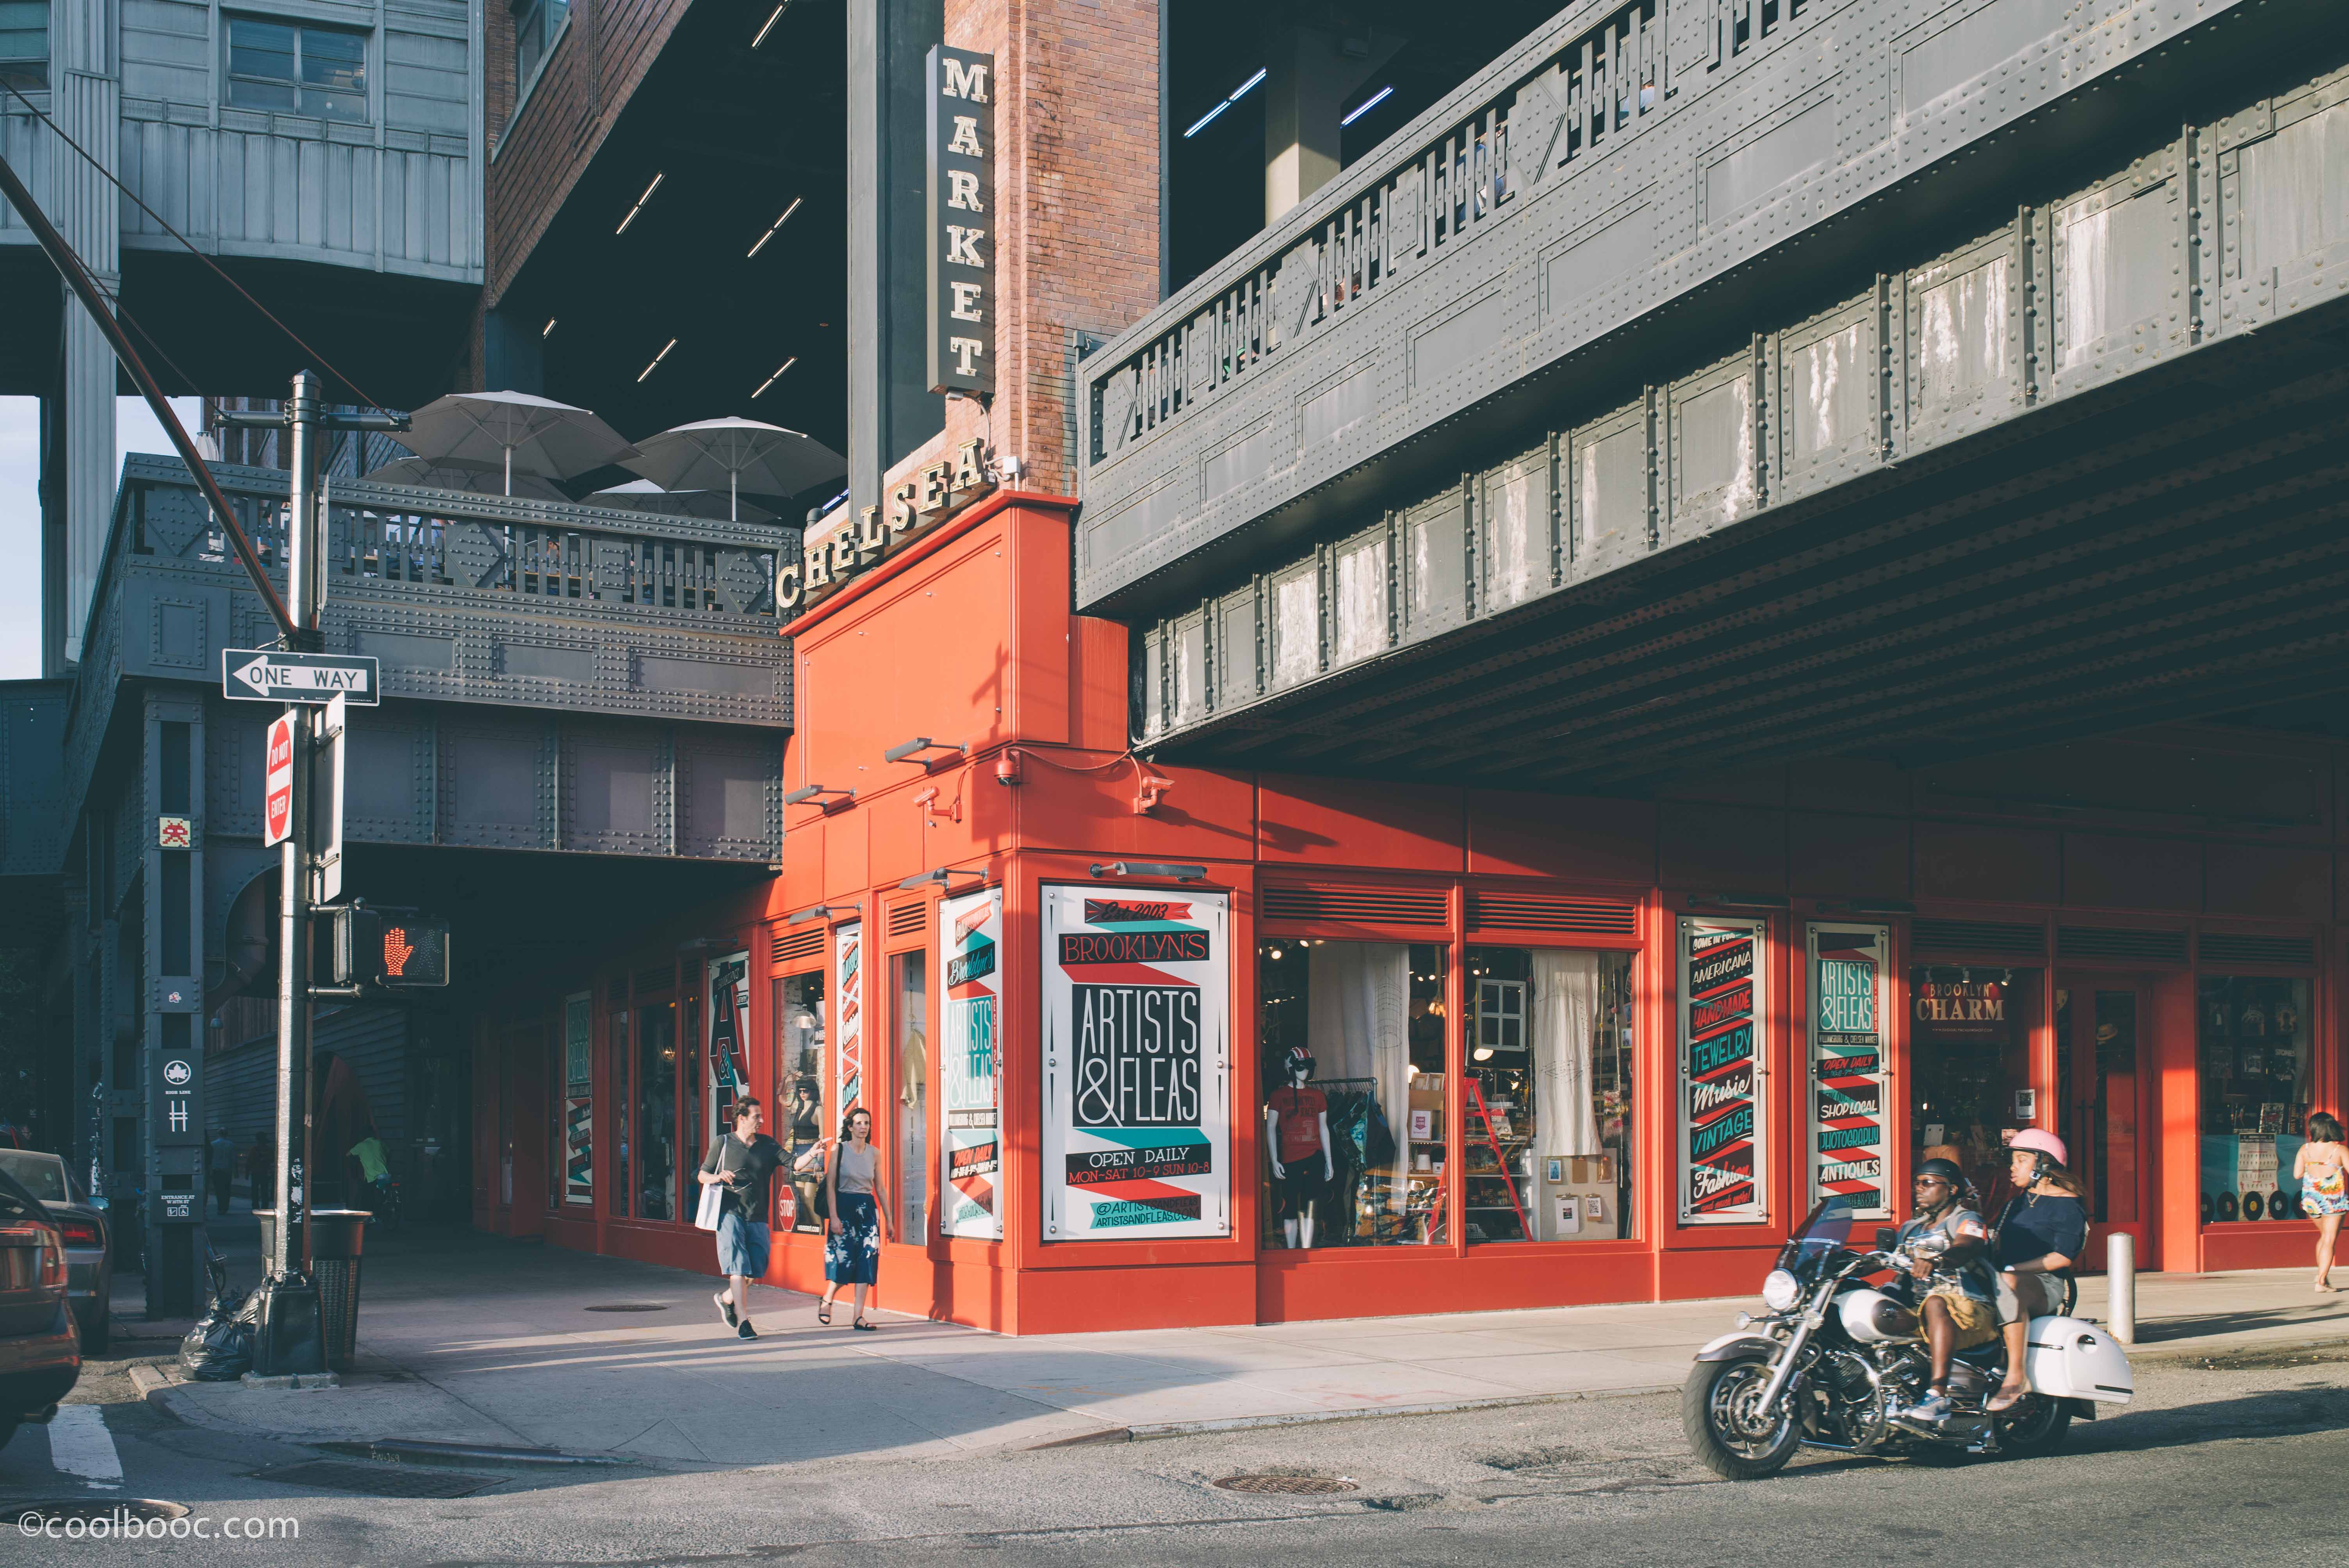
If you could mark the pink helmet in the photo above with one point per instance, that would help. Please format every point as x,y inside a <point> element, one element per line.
<point>2040,1139</point>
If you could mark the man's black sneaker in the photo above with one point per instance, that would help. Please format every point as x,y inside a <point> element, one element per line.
<point>725,1309</point>
<point>746,1332</point>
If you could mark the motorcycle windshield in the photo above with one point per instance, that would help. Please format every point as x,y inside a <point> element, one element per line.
<point>1828,1228</point>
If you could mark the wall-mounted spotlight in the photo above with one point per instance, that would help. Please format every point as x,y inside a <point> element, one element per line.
<point>1171,871</point>
<point>819,912</point>
<point>827,798</point>
<point>1738,901</point>
<point>938,877</point>
<point>911,751</point>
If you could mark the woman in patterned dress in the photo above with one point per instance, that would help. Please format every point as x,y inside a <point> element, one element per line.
<point>859,1211</point>
<point>2322,1169</point>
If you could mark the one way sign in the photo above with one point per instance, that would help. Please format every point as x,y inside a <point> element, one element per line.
<point>266,675</point>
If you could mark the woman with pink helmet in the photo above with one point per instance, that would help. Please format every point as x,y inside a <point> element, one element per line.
<point>2044,1227</point>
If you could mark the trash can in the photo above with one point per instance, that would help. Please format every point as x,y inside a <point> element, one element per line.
<point>336,1235</point>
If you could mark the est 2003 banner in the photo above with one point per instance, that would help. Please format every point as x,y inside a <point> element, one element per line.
<point>970,1179</point>
<point>1721,1121</point>
<point>1137,1095</point>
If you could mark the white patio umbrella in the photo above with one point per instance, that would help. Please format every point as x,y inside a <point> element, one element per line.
<point>553,441</point>
<point>768,458</point>
<point>642,495</point>
<point>463,474</point>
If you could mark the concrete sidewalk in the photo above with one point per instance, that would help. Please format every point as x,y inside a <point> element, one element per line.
<point>468,1338</point>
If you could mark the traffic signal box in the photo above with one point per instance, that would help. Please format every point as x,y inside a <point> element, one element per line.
<point>396,949</point>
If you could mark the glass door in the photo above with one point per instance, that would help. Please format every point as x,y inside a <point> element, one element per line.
<point>2102,1085</point>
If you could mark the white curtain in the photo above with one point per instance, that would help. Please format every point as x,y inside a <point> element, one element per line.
<point>1565,1024</point>
<point>1358,1023</point>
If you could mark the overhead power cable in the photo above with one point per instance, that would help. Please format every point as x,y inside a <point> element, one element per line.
<point>323,363</point>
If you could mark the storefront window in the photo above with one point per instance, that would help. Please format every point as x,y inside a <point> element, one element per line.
<point>1969,1068</point>
<point>1547,1095</point>
<point>656,1109</point>
<point>800,1121</point>
<point>617,1194</point>
<point>1359,1142</point>
<point>689,1037</point>
<point>910,978</point>
<point>2258,1073</point>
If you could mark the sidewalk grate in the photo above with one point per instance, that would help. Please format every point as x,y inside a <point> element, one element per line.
<point>1287,1485</point>
<point>371,1480</point>
<point>629,1306</point>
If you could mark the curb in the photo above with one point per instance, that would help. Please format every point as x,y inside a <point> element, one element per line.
<point>1141,1431</point>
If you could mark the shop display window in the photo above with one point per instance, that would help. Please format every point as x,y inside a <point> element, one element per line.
<point>618,1194</point>
<point>2258,1087</point>
<point>1545,1095</point>
<point>909,975</point>
<point>1969,1068</point>
<point>656,1109</point>
<point>688,1196</point>
<point>801,1119</point>
<point>1359,1142</point>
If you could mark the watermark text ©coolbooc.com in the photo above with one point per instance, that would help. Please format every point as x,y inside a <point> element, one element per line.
<point>124,1525</point>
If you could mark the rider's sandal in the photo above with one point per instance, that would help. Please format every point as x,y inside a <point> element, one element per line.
<point>2006,1399</point>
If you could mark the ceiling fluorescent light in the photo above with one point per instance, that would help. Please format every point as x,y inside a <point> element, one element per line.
<point>548,328</point>
<point>770,22</point>
<point>1369,104</point>
<point>1236,94</point>
<point>778,376</point>
<point>649,369</point>
<point>640,202</point>
<point>761,243</point>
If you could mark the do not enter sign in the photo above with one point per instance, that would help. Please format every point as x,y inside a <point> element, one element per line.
<point>278,790</point>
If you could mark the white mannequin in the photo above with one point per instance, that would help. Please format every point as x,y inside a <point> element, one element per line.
<point>1297,1231</point>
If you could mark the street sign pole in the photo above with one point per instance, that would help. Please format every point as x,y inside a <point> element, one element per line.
<point>291,1339</point>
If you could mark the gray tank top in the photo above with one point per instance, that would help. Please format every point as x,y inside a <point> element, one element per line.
<point>855,1165</point>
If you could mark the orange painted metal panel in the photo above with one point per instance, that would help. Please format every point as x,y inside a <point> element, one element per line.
<point>1512,834</point>
<point>1360,822</point>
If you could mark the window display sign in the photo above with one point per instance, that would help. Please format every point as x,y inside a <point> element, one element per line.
<point>578,1103</point>
<point>847,1018</point>
<point>1136,1089</point>
<point>729,1051</point>
<point>970,1179</point>
<point>1722,1121</point>
<point>1849,1146</point>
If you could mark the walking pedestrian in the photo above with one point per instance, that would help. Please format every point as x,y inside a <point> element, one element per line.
<point>743,1162</point>
<point>220,1168</point>
<point>2322,1169</point>
<point>858,1214</point>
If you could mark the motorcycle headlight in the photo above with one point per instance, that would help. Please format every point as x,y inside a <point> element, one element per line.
<point>1781,1291</point>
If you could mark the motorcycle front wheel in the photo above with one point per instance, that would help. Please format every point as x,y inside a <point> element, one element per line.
<point>1732,1437</point>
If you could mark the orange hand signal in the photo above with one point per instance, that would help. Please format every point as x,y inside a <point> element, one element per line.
<point>396,949</point>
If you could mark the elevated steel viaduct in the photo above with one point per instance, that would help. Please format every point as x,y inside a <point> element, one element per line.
<point>1712,381</point>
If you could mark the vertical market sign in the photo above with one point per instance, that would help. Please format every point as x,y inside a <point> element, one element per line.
<point>578,1102</point>
<point>1137,1096</point>
<point>1720,1073</point>
<point>970,948</point>
<point>728,1047</point>
<point>1849,1146</point>
<point>848,1016</point>
<point>960,179</point>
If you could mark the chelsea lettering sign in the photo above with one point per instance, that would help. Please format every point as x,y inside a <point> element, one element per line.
<point>961,221</point>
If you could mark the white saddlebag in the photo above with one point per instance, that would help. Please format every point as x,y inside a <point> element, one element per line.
<point>2070,1358</point>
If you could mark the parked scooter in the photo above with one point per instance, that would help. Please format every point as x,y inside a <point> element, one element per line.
<point>1833,1360</point>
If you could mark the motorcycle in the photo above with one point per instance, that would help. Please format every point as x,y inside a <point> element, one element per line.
<point>1834,1361</point>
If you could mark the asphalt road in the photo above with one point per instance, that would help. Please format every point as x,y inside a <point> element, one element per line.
<point>2237,1463</point>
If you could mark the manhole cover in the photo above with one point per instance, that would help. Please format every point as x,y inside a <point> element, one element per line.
<point>30,1517</point>
<point>1287,1485</point>
<point>629,1306</point>
<point>372,1481</point>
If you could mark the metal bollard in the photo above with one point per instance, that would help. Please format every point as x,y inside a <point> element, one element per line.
<point>2120,1286</point>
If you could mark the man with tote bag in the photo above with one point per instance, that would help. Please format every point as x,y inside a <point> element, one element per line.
<point>737,1181</point>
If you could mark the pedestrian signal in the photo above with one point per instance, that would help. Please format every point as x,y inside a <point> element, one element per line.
<point>394,948</point>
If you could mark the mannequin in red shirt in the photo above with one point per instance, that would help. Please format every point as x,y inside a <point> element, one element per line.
<point>1297,1134</point>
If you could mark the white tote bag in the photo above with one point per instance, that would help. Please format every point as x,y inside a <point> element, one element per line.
<point>713,1198</point>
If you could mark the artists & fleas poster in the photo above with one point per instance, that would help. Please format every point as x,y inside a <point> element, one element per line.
<point>970,953</point>
<point>1136,1087</point>
<point>1849,1151</point>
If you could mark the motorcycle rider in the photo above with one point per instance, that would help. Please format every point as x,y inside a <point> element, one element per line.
<point>2043,1230</point>
<point>1947,1243</point>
